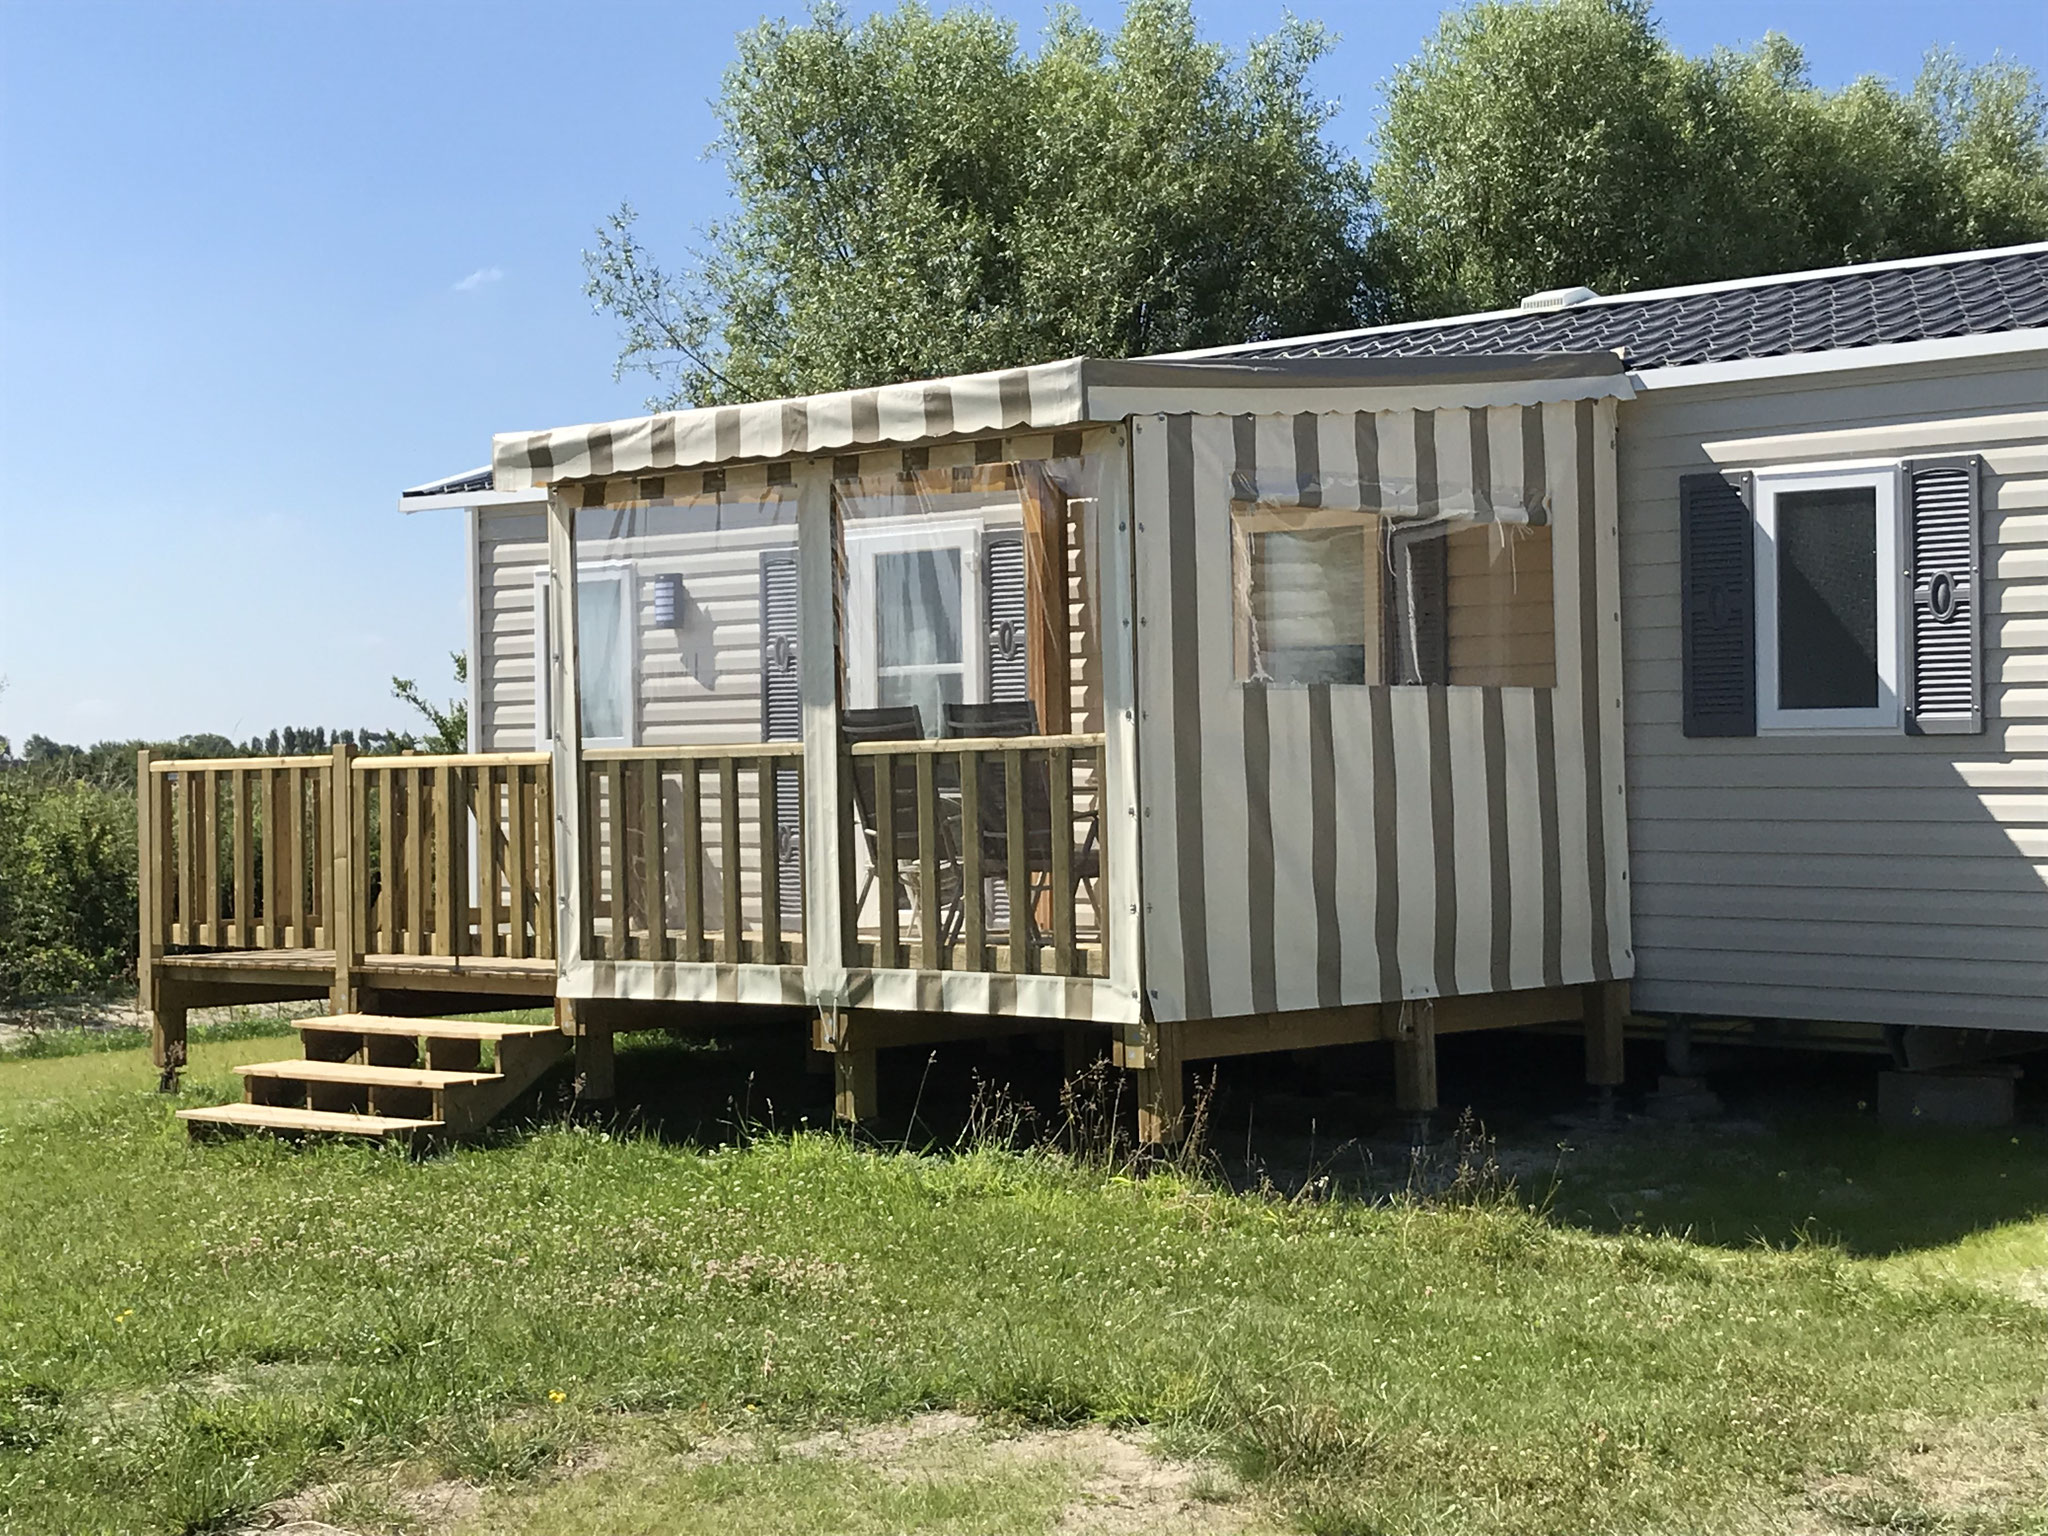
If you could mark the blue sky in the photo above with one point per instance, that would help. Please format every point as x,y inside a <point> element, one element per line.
<point>264,264</point>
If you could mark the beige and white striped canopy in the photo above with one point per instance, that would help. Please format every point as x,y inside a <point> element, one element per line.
<point>1046,397</point>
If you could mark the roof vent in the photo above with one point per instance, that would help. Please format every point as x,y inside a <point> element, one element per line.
<point>1559,298</point>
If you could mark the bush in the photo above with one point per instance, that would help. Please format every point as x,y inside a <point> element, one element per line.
<point>67,885</point>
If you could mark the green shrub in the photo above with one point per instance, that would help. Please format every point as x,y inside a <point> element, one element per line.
<point>67,886</point>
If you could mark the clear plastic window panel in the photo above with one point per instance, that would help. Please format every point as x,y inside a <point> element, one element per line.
<point>688,670</point>
<point>968,613</point>
<point>1333,597</point>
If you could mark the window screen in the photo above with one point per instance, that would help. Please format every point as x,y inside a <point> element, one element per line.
<point>1355,597</point>
<point>1827,598</point>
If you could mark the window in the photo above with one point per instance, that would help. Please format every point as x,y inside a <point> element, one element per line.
<point>1354,597</point>
<point>606,655</point>
<point>1827,601</point>
<point>914,597</point>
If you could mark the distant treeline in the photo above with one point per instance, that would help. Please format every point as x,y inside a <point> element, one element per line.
<point>67,850</point>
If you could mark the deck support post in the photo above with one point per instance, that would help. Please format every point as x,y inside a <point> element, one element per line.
<point>341,877</point>
<point>167,1040</point>
<point>1606,1011</point>
<point>1412,1026</point>
<point>596,1061</point>
<point>853,1085</point>
<point>1162,1115</point>
<point>152,857</point>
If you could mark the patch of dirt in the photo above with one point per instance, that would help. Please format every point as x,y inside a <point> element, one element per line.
<point>1948,1475</point>
<point>1123,1488</point>
<point>375,1503</point>
<point>117,1015</point>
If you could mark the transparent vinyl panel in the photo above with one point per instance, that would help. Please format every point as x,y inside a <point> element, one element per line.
<point>1327,596</point>
<point>692,718</point>
<point>969,614</point>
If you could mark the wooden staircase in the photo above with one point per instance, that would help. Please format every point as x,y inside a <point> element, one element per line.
<point>397,1079</point>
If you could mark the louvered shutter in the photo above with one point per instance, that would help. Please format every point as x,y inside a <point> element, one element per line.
<point>1002,565</point>
<point>782,718</point>
<point>1717,586</point>
<point>1418,609</point>
<point>1944,624</point>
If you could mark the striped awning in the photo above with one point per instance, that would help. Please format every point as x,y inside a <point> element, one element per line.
<point>1045,397</point>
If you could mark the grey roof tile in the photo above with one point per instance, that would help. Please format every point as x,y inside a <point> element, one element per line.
<point>1984,293</point>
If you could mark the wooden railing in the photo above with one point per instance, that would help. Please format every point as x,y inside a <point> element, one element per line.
<point>417,827</point>
<point>673,853</point>
<point>239,852</point>
<point>690,854</point>
<point>946,820</point>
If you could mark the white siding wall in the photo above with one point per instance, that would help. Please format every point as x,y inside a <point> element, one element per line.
<point>511,547</point>
<point>1886,879</point>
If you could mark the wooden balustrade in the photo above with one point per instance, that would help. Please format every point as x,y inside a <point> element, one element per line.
<point>454,856</point>
<point>690,854</point>
<point>944,819</point>
<point>240,852</point>
<point>668,876</point>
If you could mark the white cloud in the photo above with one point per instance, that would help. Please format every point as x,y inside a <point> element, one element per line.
<point>479,278</point>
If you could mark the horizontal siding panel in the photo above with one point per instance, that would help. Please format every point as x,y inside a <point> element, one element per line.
<point>1917,880</point>
<point>1840,1003</point>
<point>1890,843</point>
<point>1819,938</point>
<point>1684,772</point>
<point>1861,808</point>
<point>1877,907</point>
<point>1982,978</point>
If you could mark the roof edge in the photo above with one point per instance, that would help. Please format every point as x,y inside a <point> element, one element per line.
<point>1635,296</point>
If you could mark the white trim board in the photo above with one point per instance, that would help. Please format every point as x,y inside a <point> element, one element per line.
<point>1897,354</point>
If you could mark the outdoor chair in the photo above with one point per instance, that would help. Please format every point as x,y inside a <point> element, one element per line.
<point>897,723</point>
<point>1020,718</point>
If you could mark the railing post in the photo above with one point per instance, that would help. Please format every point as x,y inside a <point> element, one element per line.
<point>565,734</point>
<point>341,876</point>
<point>152,852</point>
<point>827,836</point>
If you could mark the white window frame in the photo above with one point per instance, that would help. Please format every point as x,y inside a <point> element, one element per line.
<point>622,571</point>
<point>1888,715</point>
<point>863,637</point>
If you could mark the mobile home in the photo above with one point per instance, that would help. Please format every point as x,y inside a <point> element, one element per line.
<point>1677,655</point>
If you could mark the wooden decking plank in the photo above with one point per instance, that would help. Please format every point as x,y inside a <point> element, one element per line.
<point>274,1117</point>
<point>440,1029</point>
<point>297,1069</point>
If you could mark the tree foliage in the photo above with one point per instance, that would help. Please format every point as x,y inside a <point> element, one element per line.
<point>67,885</point>
<point>450,722</point>
<point>918,196</point>
<point>1535,145</point>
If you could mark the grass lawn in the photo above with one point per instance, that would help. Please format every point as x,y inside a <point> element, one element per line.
<point>577,1331</point>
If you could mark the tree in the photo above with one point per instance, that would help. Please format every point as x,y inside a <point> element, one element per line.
<point>916,196</point>
<point>451,725</point>
<point>1537,145</point>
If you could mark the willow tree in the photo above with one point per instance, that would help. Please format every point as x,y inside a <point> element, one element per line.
<point>919,195</point>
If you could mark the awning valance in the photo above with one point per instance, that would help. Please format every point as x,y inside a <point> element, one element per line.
<point>1045,397</point>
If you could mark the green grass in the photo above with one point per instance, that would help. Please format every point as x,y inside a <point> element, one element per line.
<point>188,1332</point>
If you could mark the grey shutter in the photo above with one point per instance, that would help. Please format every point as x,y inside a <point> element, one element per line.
<point>1944,580</point>
<point>782,718</point>
<point>1717,587</point>
<point>1002,566</point>
<point>1418,609</point>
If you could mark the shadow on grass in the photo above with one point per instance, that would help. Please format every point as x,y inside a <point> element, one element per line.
<point>1798,1155</point>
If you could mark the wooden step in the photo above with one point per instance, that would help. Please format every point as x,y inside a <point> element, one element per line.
<point>271,1117</point>
<point>437,1029</point>
<point>355,1072</point>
